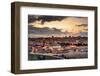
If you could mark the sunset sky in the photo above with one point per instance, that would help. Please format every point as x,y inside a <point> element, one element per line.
<point>59,26</point>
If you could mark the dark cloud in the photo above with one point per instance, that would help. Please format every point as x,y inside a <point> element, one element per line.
<point>82,25</point>
<point>48,31</point>
<point>82,17</point>
<point>45,30</point>
<point>84,34</point>
<point>85,29</point>
<point>43,18</point>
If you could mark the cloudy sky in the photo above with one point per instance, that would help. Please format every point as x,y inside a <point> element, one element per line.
<point>59,26</point>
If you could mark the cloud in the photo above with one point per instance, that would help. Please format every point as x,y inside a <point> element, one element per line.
<point>44,30</point>
<point>48,32</point>
<point>84,34</point>
<point>82,25</point>
<point>66,23</point>
<point>42,25</point>
<point>85,29</point>
<point>43,18</point>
